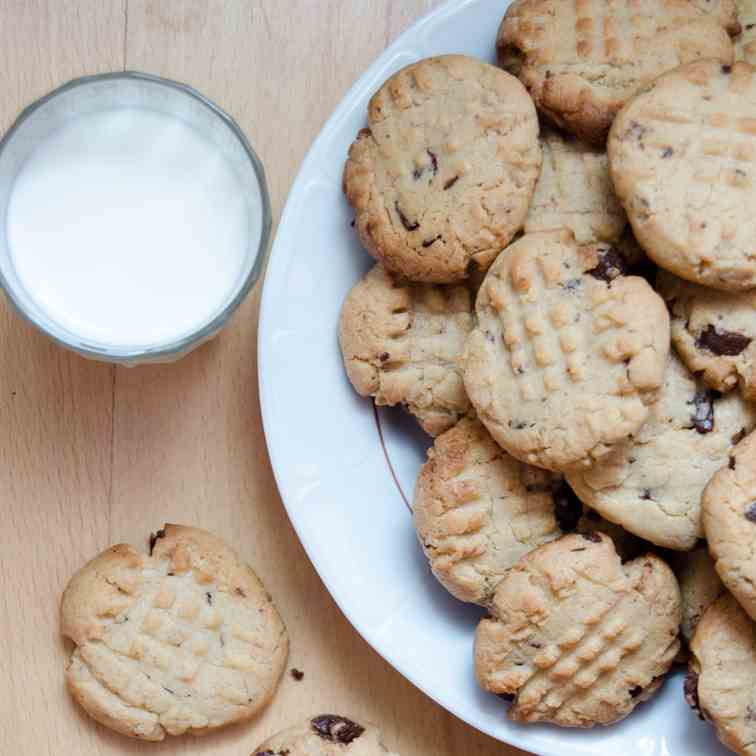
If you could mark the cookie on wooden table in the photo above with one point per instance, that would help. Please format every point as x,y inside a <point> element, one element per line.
<point>583,60</point>
<point>568,353</point>
<point>185,639</point>
<point>441,180</point>
<point>577,638</point>
<point>575,192</point>
<point>682,155</point>
<point>326,735</point>
<point>402,343</point>
<point>714,332</point>
<point>745,42</point>
<point>652,484</point>
<point>478,510</point>
<point>729,520</point>
<point>719,686</point>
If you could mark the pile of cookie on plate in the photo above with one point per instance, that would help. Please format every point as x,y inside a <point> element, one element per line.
<point>565,298</point>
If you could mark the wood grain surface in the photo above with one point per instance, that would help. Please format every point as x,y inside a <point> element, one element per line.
<point>92,455</point>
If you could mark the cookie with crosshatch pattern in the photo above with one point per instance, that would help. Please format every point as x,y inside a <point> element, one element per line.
<point>185,639</point>
<point>683,160</point>
<point>577,638</point>
<point>441,180</point>
<point>402,343</point>
<point>568,352</point>
<point>326,735</point>
<point>582,60</point>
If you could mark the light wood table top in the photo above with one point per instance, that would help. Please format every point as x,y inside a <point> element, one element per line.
<point>92,455</point>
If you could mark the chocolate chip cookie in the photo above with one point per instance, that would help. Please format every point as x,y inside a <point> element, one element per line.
<point>568,353</point>
<point>652,484</point>
<point>185,639</point>
<point>577,638</point>
<point>719,685</point>
<point>729,520</point>
<point>441,180</point>
<point>714,332</point>
<point>326,735</point>
<point>681,156</point>
<point>402,343</point>
<point>582,61</point>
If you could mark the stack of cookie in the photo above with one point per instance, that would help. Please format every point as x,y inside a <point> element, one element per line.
<point>545,231</point>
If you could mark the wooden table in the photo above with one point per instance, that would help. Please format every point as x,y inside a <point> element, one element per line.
<point>92,455</point>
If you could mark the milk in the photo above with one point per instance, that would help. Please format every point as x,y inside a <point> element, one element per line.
<point>128,228</point>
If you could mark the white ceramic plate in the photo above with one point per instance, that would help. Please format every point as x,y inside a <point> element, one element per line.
<point>343,492</point>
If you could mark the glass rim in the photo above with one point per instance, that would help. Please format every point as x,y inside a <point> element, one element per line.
<point>197,336</point>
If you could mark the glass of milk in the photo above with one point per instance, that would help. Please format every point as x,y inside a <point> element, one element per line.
<point>135,217</point>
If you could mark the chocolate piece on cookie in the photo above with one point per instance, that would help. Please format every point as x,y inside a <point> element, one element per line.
<point>691,210</point>
<point>652,484</point>
<point>402,343</point>
<point>578,638</point>
<point>714,332</point>
<point>183,640</point>
<point>441,180</point>
<point>568,353</point>
<point>582,61</point>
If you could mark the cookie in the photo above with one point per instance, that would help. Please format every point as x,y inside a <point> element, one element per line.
<point>729,520</point>
<point>567,353</point>
<point>682,156</point>
<point>574,192</point>
<point>714,332</point>
<point>441,180</point>
<point>402,343</point>
<point>577,638</point>
<point>652,485</point>
<point>183,640</point>
<point>326,735</point>
<point>477,510</point>
<point>745,42</point>
<point>719,685</point>
<point>700,587</point>
<point>582,61</point>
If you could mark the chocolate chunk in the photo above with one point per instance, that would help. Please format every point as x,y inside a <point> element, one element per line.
<point>611,265</point>
<point>749,26</point>
<point>722,343</point>
<point>690,690</point>
<point>592,537</point>
<point>297,674</point>
<point>240,592</point>
<point>739,436</point>
<point>384,357</point>
<point>646,495</point>
<point>154,538</point>
<point>667,152</point>
<point>336,729</point>
<point>265,753</point>
<point>506,696</point>
<point>572,284</point>
<point>726,69</point>
<point>434,162</point>
<point>517,424</point>
<point>568,509</point>
<point>405,221</point>
<point>732,463</point>
<point>418,172</point>
<point>430,242</point>
<point>450,183</point>
<point>750,513</point>
<point>168,690</point>
<point>636,131</point>
<point>703,415</point>
<point>209,597</point>
<point>636,691</point>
